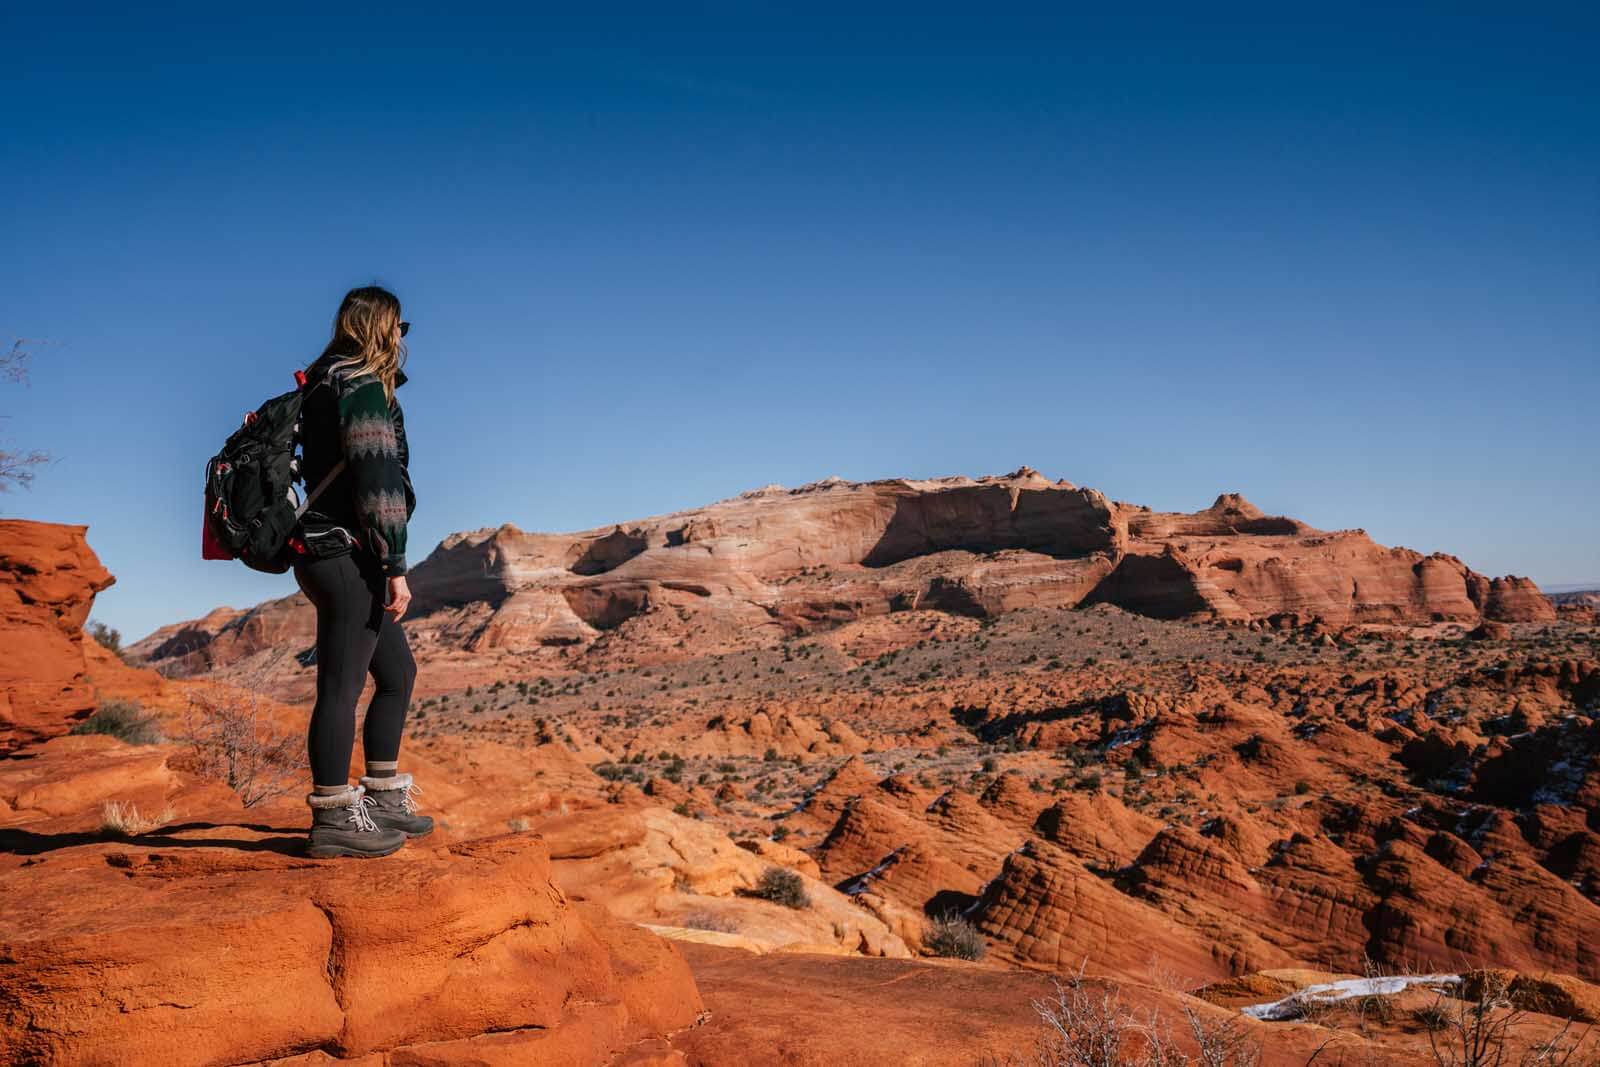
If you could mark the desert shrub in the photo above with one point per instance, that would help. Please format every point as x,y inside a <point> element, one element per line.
<point>1088,1025</point>
<point>1378,1008</point>
<point>1433,1017</point>
<point>710,920</point>
<point>1221,1042</point>
<point>1480,1026</point>
<point>783,886</point>
<point>124,720</point>
<point>232,739</point>
<point>124,820</point>
<point>105,636</point>
<point>953,937</point>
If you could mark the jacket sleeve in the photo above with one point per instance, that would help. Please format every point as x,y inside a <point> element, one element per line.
<point>378,478</point>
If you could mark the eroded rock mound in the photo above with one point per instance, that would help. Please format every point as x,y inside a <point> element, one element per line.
<point>653,866</point>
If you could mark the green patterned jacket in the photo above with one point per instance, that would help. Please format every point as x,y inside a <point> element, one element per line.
<point>372,498</point>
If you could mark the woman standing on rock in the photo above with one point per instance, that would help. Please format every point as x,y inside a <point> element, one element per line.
<point>354,573</point>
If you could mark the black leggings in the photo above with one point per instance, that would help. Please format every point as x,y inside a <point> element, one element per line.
<point>355,636</point>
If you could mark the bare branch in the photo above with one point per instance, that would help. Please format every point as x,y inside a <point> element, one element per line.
<point>14,363</point>
<point>235,741</point>
<point>16,467</point>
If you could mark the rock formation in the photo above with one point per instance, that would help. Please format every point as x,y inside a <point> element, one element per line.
<point>1019,768</point>
<point>197,933</point>
<point>208,955</point>
<point>48,579</point>
<point>778,562</point>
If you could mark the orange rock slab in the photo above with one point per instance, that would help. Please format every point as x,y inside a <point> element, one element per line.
<point>189,955</point>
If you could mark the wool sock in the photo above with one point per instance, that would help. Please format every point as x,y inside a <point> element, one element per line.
<point>382,769</point>
<point>329,790</point>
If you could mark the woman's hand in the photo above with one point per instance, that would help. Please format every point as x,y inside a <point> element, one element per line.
<point>399,597</point>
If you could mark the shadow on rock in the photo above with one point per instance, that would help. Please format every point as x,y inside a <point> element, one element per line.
<point>27,843</point>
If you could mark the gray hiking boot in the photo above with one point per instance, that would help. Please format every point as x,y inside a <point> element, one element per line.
<point>394,805</point>
<point>342,825</point>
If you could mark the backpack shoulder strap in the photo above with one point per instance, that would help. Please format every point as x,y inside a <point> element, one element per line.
<point>327,480</point>
<point>332,379</point>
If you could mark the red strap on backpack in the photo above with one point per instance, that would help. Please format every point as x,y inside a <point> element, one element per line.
<point>210,547</point>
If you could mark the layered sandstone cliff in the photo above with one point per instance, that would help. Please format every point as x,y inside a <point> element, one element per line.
<point>775,562</point>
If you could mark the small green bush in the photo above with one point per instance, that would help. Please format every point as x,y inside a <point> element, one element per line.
<point>783,886</point>
<point>124,720</point>
<point>953,937</point>
<point>109,639</point>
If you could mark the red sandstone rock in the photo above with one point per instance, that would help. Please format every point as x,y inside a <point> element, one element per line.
<point>48,581</point>
<point>1046,909</point>
<point>1097,828</point>
<point>201,955</point>
<point>657,867</point>
<point>1271,816</point>
<point>813,1011</point>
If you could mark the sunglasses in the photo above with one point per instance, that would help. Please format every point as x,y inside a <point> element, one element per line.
<point>405,328</point>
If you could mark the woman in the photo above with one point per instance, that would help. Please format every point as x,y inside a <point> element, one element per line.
<point>354,573</point>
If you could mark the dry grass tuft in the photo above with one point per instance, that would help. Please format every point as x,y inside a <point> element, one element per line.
<point>708,920</point>
<point>123,820</point>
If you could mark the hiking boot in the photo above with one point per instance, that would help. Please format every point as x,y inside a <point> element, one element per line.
<point>342,825</point>
<point>394,806</point>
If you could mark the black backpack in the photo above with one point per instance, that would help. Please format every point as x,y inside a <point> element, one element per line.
<point>252,508</point>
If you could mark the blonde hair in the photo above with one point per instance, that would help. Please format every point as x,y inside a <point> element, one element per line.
<point>366,336</point>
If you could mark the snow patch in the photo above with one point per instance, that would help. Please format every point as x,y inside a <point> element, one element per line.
<point>1127,736</point>
<point>1294,1005</point>
<point>1562,782</point>
<point>860,883</point>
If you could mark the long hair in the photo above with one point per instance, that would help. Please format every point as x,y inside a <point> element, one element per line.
<point>366,335</point>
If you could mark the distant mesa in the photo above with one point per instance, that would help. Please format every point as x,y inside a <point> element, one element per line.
<point>775,562</point>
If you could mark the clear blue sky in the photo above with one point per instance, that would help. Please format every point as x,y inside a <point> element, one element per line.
<point>1347,263</point>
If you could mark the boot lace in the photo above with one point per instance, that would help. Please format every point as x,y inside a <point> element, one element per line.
<point>406,800</point>
<point>358,814</point>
